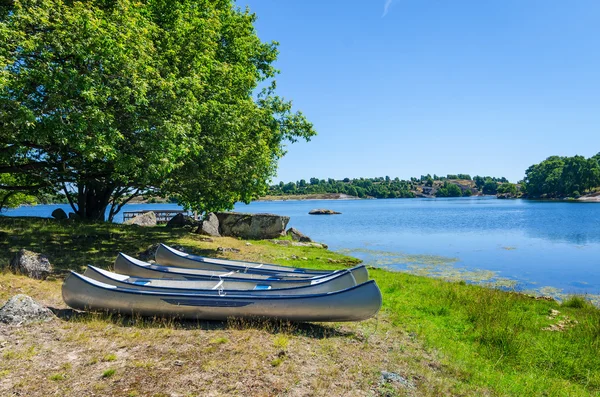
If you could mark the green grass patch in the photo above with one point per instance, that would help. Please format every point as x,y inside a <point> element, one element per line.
<point>218,341</point>
<point>109,357</point>
<point>109,373</point>
<point>58,377</point>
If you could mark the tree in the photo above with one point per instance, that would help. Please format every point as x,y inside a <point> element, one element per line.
<point>490,187</point>
<point>107,100</point>
<point>449,190</point>
<point>507,188</point>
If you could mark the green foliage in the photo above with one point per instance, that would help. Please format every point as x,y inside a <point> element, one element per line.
<point>490,187</point>
<point>108,100</point>
<point>558,177</point>
<point>507,188</point>
<point>449,190</point>
<point>362,187</point>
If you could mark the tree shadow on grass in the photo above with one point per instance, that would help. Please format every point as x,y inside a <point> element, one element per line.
<point>74,245</point>
<point>311,330</point>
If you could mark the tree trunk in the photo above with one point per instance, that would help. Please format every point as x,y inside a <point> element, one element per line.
<point>92,201</point>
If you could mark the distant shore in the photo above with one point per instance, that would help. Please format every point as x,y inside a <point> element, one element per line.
<point>316,196</point>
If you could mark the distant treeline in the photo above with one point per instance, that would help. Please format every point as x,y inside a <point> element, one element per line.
<point>559,177</point>
<point>385,187</point>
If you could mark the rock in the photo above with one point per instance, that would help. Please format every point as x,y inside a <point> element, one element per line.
<point>297,235</point>
<point>21,309</point>
<point>209,226</point>
<point>150,252</point>
<point>181,220</point>
<point>323,211</point>
<point>287,243</point>
<point>31,264</point>
<point>206,239</point>
<point>227,249</point>
<point>145,219</point>
<point>388,377</point>
<point>59,214</point>
<point>251,226</point>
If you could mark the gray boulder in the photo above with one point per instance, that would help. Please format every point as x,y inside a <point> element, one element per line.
<point>323,211</point>
<point>59,214</point>
<point>181,220</point>
<point>251,226</point>
<point>31,264</point>
<point>297,235</point>
<point>209,226</point>
<point>21,309</point>
<point>149,253</point>
<point>145,219</point>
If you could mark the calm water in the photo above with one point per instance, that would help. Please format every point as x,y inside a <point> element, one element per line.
<point>535,244</point>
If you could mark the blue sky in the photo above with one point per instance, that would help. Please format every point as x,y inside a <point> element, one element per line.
<point>410,87</point>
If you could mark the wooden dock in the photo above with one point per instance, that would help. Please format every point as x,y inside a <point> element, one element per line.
<point>162,216</point>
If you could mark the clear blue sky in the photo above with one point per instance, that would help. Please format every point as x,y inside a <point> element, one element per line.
<point>436,86</point>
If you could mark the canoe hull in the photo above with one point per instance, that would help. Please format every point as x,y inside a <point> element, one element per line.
<point>353,304</point>
<point>336,282</point>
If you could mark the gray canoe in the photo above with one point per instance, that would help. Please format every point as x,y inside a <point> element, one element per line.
<point>124,264</point>
<point>335,282</point>
<point>168,256</point>
<point>352,304</point>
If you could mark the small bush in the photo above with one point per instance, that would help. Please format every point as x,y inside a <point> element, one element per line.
<point>576,302</point>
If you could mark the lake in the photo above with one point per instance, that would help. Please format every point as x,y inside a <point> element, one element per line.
<point>551,248</point>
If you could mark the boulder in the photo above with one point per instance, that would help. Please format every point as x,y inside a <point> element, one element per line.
<point>59,214</point>
<point>31,264</point>
<point>145,219</point>
<point>149,253</point>
<point>251,226</point>
<point>297,235</point>
<point>21,309</point>
<point>209,226</point>
<point>181,220</point>
<point>323,211</point>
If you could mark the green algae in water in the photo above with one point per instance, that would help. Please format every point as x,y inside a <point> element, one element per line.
<point>436,266</point>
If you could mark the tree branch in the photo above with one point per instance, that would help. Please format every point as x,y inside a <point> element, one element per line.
<point>118,207</point>
<point>70,198</point>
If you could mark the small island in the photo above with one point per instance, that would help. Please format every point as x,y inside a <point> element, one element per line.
<point>323,211</point>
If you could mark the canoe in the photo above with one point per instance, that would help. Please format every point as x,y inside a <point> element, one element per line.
<point>356,303</point>
<point>168,256</point>
<point>124,264</point>
<point>335,282</point>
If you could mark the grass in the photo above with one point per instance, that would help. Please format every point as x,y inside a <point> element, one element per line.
<point>109,373</point>
<point>446,338</point>
<point>58,377</point>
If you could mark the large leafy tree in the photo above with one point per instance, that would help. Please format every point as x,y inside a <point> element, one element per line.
<point>109,99</point>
